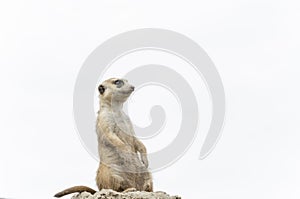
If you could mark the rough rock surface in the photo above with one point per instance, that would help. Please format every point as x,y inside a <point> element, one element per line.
<point>110,194</point>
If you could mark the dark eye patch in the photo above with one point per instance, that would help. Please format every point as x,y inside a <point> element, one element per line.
<point>101,89</point>
<point>119,83</point>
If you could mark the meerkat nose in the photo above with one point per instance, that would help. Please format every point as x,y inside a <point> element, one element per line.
<point>132,88</point>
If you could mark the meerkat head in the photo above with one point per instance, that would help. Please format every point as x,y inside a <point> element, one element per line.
<point>115,89</point>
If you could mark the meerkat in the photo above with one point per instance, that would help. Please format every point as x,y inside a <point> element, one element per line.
<point>123,157</point>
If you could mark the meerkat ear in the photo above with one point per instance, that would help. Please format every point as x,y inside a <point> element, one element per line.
<point>101,89</point>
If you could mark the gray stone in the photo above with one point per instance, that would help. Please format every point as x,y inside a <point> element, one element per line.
<point>110,194</point>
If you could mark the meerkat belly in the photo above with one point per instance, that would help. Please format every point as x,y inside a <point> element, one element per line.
<point>114,155</point>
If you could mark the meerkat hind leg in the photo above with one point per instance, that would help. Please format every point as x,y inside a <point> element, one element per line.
<point>132,189</point>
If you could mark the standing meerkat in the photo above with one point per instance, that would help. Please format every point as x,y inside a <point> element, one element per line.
<point>123,157</point>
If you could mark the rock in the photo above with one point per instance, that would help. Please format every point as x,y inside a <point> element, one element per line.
<point>110,194</point>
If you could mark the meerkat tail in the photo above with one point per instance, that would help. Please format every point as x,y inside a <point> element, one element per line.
<point>75,189</point>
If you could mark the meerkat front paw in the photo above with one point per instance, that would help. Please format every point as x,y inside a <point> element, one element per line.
<point>145,160</point>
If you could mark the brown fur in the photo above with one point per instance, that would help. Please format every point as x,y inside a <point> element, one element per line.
<point>123,158</point>
<point>74,190</point>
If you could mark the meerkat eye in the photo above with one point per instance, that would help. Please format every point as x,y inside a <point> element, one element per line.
<point>119,83</point>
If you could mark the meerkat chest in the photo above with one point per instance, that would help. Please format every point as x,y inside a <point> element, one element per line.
<point>119,122</point>
<point>123,123</point>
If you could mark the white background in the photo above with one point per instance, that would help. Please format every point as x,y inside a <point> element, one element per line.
<point>254,44</point>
